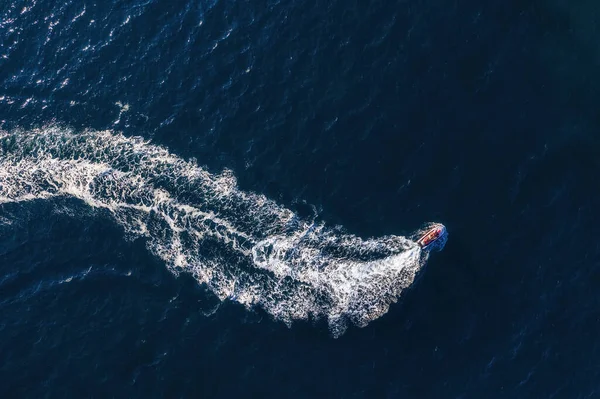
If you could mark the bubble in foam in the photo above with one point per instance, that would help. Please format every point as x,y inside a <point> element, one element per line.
<point>242,245</point>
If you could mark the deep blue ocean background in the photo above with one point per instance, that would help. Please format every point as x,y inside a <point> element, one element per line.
<point>382,116</point>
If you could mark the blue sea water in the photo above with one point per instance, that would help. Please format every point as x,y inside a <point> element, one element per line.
<point>217,199</point>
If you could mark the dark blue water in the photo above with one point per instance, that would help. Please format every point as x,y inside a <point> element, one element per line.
<point>253,245</point>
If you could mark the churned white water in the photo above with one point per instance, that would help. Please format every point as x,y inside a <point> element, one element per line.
<point>242,245</point>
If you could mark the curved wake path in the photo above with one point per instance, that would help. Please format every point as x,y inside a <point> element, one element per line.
<point>241,245</point>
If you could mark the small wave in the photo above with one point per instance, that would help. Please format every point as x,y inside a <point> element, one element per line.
<point>242,245</point>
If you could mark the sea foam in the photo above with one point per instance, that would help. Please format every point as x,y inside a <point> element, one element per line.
<point>242,245</point>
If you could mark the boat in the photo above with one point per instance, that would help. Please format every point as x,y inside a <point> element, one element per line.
<point>434,237</point>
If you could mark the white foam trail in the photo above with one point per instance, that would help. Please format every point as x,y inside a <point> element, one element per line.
<point>240,244</point>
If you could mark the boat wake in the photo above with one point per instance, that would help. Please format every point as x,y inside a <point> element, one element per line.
<point>242,245</point>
